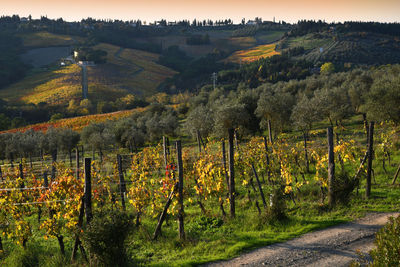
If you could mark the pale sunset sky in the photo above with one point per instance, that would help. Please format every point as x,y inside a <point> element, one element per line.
<point>150,10</point>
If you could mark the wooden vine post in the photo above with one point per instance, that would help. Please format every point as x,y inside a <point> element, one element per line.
<point>88,190</point>
<point>165,152</point>
<point>267,158</point>
<point>224,163</point>
<point>370,157</point>
<point>396,175</point>
<point>305,137</point>
<point>77,241</point>
<point>180,190</point>
<point>53,164</point>
<point>270,132</point>
<point>259,186</point>
<point>198,140</point>
<point>331,168</point>
<point>122,186</point>
<point>77,163</point>
<point>231,133</point>
<point>21,175</point>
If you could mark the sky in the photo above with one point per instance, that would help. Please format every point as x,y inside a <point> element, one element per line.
<point>151,10</point>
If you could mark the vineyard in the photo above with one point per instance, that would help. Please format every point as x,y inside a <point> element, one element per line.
<point>253,54</point>
<point>225,195</point>
<point>57,87</point>
<point>127,71</point>
<point>77,123</point>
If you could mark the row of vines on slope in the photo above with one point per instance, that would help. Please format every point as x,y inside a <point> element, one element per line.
<point>151,177</point>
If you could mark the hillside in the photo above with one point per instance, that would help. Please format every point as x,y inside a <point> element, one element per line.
<point>253,54</point>
<point>54,86</point>
<point>127,71</point>
<point>352,47</point>
<point>77,123</point>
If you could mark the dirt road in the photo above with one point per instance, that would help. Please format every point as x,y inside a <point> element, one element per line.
<point>334,246</point>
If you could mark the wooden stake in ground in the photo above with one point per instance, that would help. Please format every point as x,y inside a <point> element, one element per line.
<point>88,190</point>
<point>331,168</point>
<point>164,213</point>
<point>267,159</point>
<point>259,186</point>
<point>21,175</point>
<point>270,132</point>
<point>77,241</point>
<point>370,157</point>
<point>77,162</point>
<point>231,133</point>
<point>198,140</point>
<point>122,187</point>
<point>53,165</point>
<point>396,175</point>
<point>306,153</point>
<point>165,152</point>
<point>224,163</point>
<point>180,190</point>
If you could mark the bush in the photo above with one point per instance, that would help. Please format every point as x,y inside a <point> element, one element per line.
<point>344,186</point>
<point>20,257</point>
<point>277,207</point>
<point>387,243</point>
<point>203,225</point>
<point>105,238</point>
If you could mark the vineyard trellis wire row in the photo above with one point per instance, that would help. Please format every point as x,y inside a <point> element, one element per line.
<point>153,184</point>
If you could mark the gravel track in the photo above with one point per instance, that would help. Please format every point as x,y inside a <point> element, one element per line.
<point>334,246</point>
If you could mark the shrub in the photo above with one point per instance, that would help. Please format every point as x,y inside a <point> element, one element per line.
<point>20,257</point>
<point>105,238</point>
<point>387,243</point>
<point>344,186</point>
<point>277,207</point>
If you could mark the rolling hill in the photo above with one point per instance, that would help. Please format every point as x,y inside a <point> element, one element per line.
<point>55,86</point>
<point>127,71</point>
